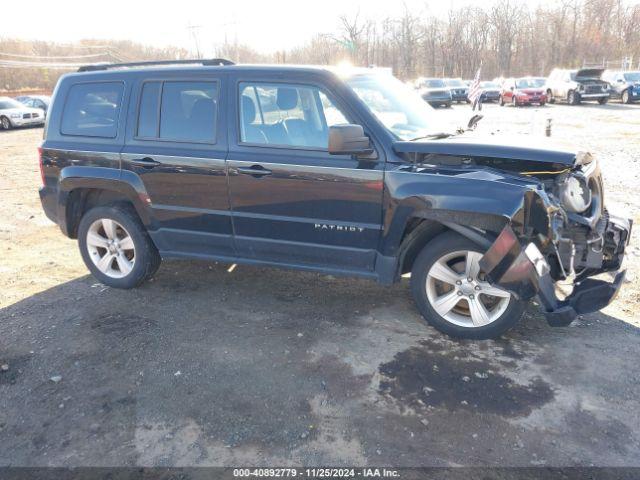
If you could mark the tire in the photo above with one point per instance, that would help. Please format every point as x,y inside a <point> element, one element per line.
<point>514,101</point>
<point>5,123</point>
<point>625,97</point>
<point>542,104</point>
<point>447,105</point>
<point>550,98</point>
<point>573,98</point>
<point>603,101</point>
<point>501,101</point>
<point>502,312</point>
<point>112,263</point>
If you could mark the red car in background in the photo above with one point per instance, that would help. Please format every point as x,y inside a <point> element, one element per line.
<point>523,91</point>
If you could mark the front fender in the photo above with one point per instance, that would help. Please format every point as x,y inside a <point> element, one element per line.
<point>479,199</point>
<point>125,183</point>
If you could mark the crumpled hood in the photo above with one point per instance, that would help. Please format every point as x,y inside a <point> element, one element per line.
<point>589,73</point>
<point>514,147</point>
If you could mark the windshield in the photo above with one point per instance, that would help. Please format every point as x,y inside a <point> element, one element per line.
<point>433,83</point>
<point>400,108</point>
<point>530,82</point>
<point>632,77</point>
<point>455,82</point>
<point>6,103</point>
<point>489,85</point>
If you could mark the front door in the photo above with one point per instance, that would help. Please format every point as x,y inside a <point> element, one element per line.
<point>176,144</point>
<point>292,202</point>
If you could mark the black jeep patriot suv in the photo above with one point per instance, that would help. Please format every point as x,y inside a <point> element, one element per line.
<point>324,170</point>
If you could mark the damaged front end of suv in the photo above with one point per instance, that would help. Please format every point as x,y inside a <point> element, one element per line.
<point>554,227</point>
<point>567,235</point>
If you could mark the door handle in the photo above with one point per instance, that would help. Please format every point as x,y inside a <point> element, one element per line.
<point>255,170</point>
<point>146,162</point>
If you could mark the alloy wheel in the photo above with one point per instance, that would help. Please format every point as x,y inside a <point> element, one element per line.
<point>459,292</point>
<point>5,123</point>
<point>111,248</point>
<point>625,96</point>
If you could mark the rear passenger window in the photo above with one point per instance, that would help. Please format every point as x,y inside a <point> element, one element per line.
<point>187,111</point>
<point>92,110</point>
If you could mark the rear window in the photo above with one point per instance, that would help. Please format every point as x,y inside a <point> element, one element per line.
<point>92,110</point>
<point>179,111</point>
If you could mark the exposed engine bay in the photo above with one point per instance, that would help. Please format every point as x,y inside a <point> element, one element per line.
<point>560,231</point>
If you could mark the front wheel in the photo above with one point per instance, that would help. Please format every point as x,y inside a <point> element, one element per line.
<point>603,101</point>
<point>116,248</point>
<point>453,294</point>
<point>625,97</point>
<point>550,98</point>
<point>5,123</point>
<point>501,101</point>
<point>573,98</point>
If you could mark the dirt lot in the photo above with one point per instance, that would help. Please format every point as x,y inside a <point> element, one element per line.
<point>272,367</point>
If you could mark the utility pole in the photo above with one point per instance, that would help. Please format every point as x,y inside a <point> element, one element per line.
<point>193,30</point>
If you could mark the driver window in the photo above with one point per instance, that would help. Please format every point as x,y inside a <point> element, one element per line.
<point>286,115</point>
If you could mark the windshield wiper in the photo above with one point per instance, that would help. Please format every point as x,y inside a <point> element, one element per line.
<point>433,136</point>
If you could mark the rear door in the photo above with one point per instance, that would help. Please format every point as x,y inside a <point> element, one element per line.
<point>292,202</point>
<point>177,144</point>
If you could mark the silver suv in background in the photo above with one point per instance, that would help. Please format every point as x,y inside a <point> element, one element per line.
<point>576,86</point>
<point>624,85</point>
<point>15,114</point>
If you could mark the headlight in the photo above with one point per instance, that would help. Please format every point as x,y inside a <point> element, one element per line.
<point>15,115</point>
<point>575,194</point>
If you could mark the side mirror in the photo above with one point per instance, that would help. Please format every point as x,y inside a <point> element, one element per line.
<point>348,139</point>
<point>512,88</point>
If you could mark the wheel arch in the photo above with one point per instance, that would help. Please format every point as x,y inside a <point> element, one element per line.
<point>417,228</point>
<point>82,188</point>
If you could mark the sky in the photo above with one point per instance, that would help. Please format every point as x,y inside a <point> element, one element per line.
<point>265,25</point>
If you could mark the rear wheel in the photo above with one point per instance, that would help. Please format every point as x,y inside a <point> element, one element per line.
<point>514,101</point>
<point>501,101</point>
<point>116,248</point>
<point>550,96</point>
<point>453,294</point>
<point>5,123</point>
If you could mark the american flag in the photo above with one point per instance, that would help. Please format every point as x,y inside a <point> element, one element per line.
<point>475,91</point>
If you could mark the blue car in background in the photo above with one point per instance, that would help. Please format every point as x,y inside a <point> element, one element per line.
<point>434,91</point>
<point>459,90</point>
<point>624,85</point>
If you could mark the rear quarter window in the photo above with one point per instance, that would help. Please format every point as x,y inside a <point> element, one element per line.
<point>92,109</point>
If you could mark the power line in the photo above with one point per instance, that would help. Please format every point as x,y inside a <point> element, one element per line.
<point>54,65</point>
<point>89,55</point>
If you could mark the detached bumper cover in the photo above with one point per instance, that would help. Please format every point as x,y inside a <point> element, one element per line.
<point>526,273</point>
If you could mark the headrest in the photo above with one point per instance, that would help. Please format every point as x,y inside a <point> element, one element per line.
<point>203,108</point>
<point>248,109</point>
<point>287,98</point>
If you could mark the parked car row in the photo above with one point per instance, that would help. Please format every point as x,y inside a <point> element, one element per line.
<point>563,85</point>
<point>24,111</point>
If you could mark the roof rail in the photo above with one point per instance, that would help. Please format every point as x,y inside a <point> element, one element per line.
<point>199,61</point>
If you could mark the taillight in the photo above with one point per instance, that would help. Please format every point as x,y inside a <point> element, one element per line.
<point>41,165</point>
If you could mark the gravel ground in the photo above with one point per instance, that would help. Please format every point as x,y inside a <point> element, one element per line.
<point>270,367</point>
